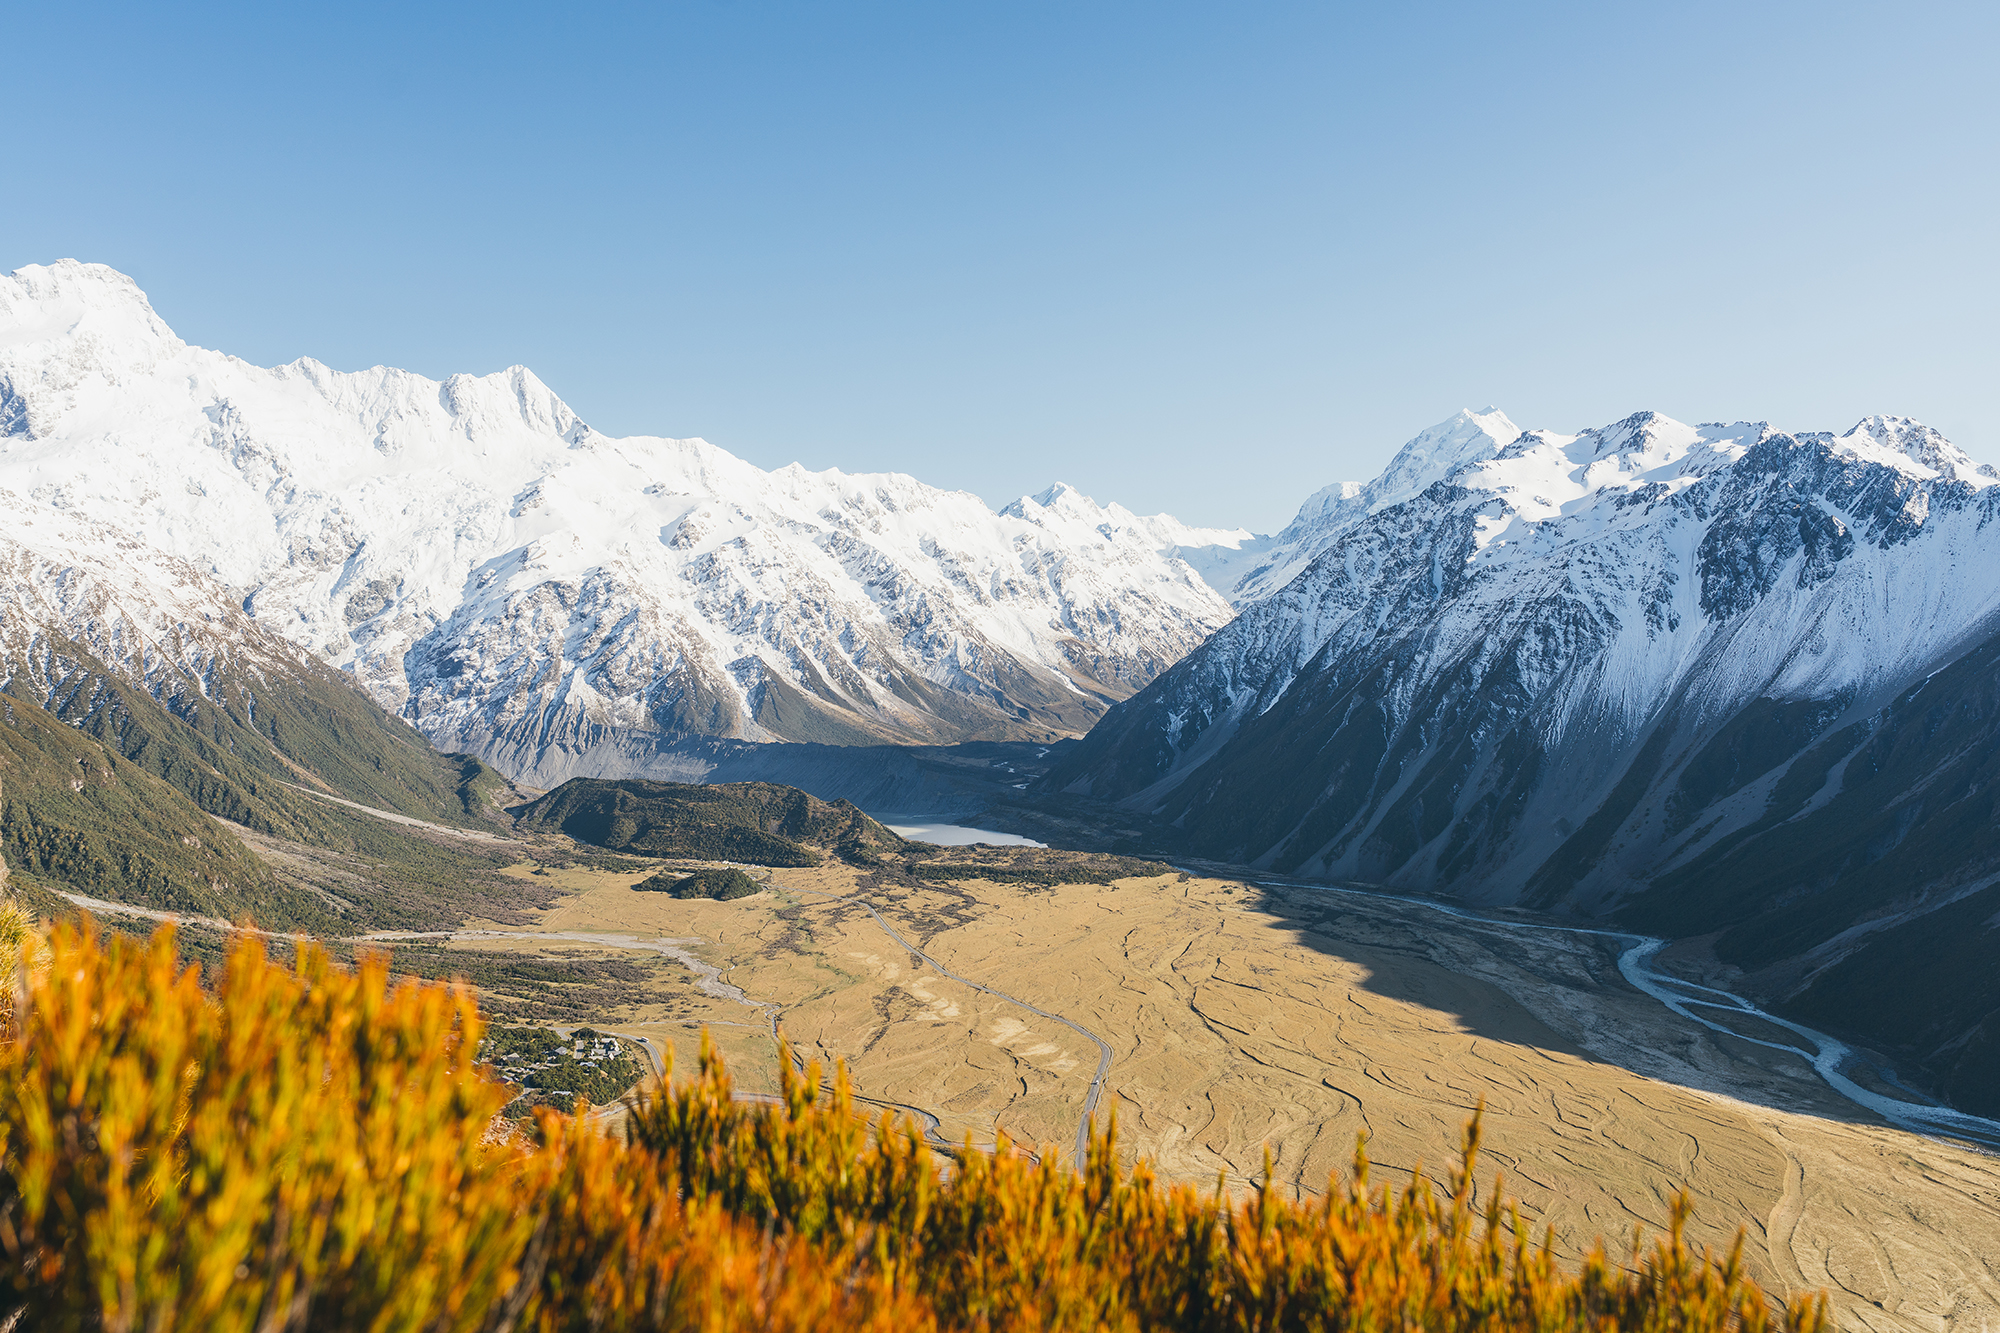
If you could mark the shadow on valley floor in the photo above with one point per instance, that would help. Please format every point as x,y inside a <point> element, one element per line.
<point>1570,983</point>
<point>1525,979</point>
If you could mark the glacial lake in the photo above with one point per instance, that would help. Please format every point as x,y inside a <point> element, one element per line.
<point>954,835</point>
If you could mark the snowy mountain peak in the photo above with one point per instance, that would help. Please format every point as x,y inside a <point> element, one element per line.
<point>1543,475</point>
<point>1253,569</point>
<point>519,584</point>
<point>1060,497</point>
<point>1461,439</point>
<point>1446,693</point>
<point>1643,449</point>
<point>91,327</point>
<point>1899,442</point>
<point>475,399</point>
<point>1062,505</point>
<point>78,290</point>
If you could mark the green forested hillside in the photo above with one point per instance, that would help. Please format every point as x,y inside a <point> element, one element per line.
<point>760,823</point>
<point>239,744</point>
<point>77,813</point>
<point>724,885</point>
<point>105,790</point>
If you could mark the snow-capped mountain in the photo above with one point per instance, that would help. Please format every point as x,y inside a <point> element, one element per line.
<point>521,586</point>
<point>1558,668</point>
<point>68,582</point>
<point>1250,569</point>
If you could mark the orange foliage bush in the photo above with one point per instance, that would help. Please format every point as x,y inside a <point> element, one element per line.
<point>1009,1243</point>
<point>307,1147</point>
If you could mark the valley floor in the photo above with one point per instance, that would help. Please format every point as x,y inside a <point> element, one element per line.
<point>1240,1019</point>
<point>1220,1019</point>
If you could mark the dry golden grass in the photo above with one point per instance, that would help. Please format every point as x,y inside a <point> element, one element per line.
<point>1243,1020</point>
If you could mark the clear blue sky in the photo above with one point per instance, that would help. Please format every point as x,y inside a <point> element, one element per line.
<point>1195,258</point>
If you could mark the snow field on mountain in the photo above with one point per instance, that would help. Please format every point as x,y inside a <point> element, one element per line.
<point>1253,568</point>
<point>482,559</point>
<point>1468,666</point>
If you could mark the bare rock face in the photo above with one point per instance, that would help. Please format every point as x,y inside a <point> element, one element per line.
<point>518,585</point>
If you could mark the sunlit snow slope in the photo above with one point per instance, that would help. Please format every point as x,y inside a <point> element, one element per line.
<point>1248,569</point>
<point>1510,675</point>
<point>523,587</point>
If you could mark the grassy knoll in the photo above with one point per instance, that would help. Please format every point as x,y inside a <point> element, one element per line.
<point>724,884</point>
<point>760,823</point>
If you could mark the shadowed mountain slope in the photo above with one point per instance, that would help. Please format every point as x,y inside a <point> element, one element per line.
<point>1454,688</point>
<point>1868,889</point>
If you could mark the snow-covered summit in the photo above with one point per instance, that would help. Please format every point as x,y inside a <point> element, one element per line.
<point>1062,506</point>
<point>1251,570</point>
<point>1466,437</point>
<point>517,583</point>
<point>1546,476</point>
<point>1913,449</point>
<point>1525,625</point>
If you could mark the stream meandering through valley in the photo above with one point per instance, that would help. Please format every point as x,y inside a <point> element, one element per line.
<point>1828,1056</point>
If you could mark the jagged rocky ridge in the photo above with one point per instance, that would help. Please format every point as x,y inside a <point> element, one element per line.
<point>520,586</point>
<point>1458,675</point>
<point>1248,569</point>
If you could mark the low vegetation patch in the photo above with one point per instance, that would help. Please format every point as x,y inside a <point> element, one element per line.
<point>78,813</point>
<point>1045,867</point>
<point>312,1147</point>
<point>722,884</point>
<point>525,988</point>
<point>554,1070</point>
<point>758,823</point>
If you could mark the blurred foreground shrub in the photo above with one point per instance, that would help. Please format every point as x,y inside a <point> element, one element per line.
<point>312,1148</point>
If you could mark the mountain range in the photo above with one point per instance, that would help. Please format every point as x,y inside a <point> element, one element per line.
<point>520,586</point>
<point>1726,683</point>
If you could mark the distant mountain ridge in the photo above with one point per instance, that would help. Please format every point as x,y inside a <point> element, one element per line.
<point>520,586</point>
<point>1251,569</point>
<point>1506,636</point>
